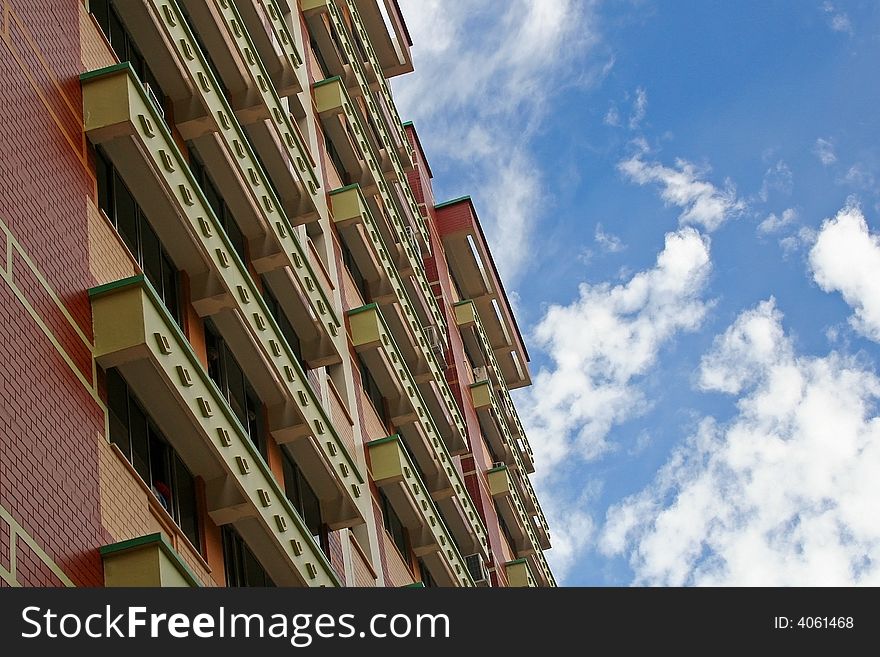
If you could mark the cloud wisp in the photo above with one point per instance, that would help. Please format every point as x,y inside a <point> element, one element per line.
<point>703,203</point>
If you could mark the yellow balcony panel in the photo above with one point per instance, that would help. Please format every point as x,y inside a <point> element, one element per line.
<point>147,561</point>
<point>252,97</point>
<point>395,474</point>
<point>121,119</point>
<point>491,425</point>
<point>145,21</point>
<point>372,339</point>
<point>361,234</point>
<point>541,569</point>
<point>342,128</point>
<point>390,38</point>
<point>275,46</point>
<point>512,510</point>
<point>134,333</point>
<point>519,574</point>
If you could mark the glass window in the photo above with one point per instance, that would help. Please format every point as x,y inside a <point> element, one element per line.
<point>393,525</point>
<point>427,579</point>
<point>140,440</point>
<point>359,280</point>
<point>225,371</point>
<point>284,324</point>
<point>138,235</point>
<point>373,393</point>
<point>242,566</point>
<point>304,499</point>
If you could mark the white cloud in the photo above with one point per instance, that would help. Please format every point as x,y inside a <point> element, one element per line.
<point>603,342</point>
<point>612,117</point>
<point>824,150</point>
<point>782,494</point>
<point>485,76</point>
<point>779,178</point>
<point>773,223</point>
<point>608,242</point>
<point>702,203</point>
<point>805,237</point>
<point>858,176</point>
<point>837,20</point>
<point>640,108</point>
<point>846,259</point>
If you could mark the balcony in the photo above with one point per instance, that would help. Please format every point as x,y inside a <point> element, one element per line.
<point>519,523</point>
<point>519,574</point>
<point>148,561</point>
<point>271,130</point>
<point>394,473</point>
<point>512,510</point>
<point>373,342</point>
<point>276,46</point>
<point>119,117</point>
<point>389,37</point>
<point>361,234</point>
<point>134,333</point>
<point>474,271</point>
<point>492,426</point>
<point>348,135</point>
<point>481,354</point>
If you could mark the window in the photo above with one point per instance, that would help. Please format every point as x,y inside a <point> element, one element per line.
<point>359,280</point>
<point>218,204</point>
<point>427,579</point>
<point>242,567</point>
<point>322,65</point>
<point>124,47</point>
<point>305,500</point>
<point>284,324</point>
<point>225,371</point>
<point>119,205</point>
<point>137,436</point>
<point>343,173</point>
<point>394,526</point>
<point>373,393</point>
<point>505,529</point>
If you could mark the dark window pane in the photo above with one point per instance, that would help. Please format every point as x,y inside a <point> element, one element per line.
<point>291,483</point>
<point>117,404</point>
<point>311,508</point>
<point>215,362</point>
<point>151,256</point>
<point>105,184</point>
<point>242,567</point>
<point>101,12</point>
<point>255,423</point>
<point>160,471</point>
<point>236,392</point>
<point>117,36</point>
<point>140,447</point>
<point>125,218</point>
<point>185,487</point>
<point>236,238</point>
<point>169,287</point>
<point>213,197</point>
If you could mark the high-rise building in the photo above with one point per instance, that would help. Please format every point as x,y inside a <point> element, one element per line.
<point>240,343</point>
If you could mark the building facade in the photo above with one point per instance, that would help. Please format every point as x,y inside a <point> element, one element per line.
<point>241,343</point>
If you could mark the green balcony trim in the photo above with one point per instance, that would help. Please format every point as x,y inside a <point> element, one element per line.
<point>464,496</point>
<point>477,384</point>
<point>401,445</point>
<point>258,298</point>
<point>154,539</point>
<point>326,81</point>
<point>455,201</point>
<point>107,70</point>
<point>498,469</point>
<point>223,405</point>
<point>347,188</point>
<point>516,562</point>
<point>414,585</point>
<point>386,439</point>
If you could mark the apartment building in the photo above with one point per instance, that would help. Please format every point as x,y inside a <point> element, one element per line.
<point>242,344</point>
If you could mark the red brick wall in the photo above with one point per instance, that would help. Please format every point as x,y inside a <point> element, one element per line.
<point>50,422</point>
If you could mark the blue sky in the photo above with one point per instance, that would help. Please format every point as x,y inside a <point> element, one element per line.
<point>683,200</point>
